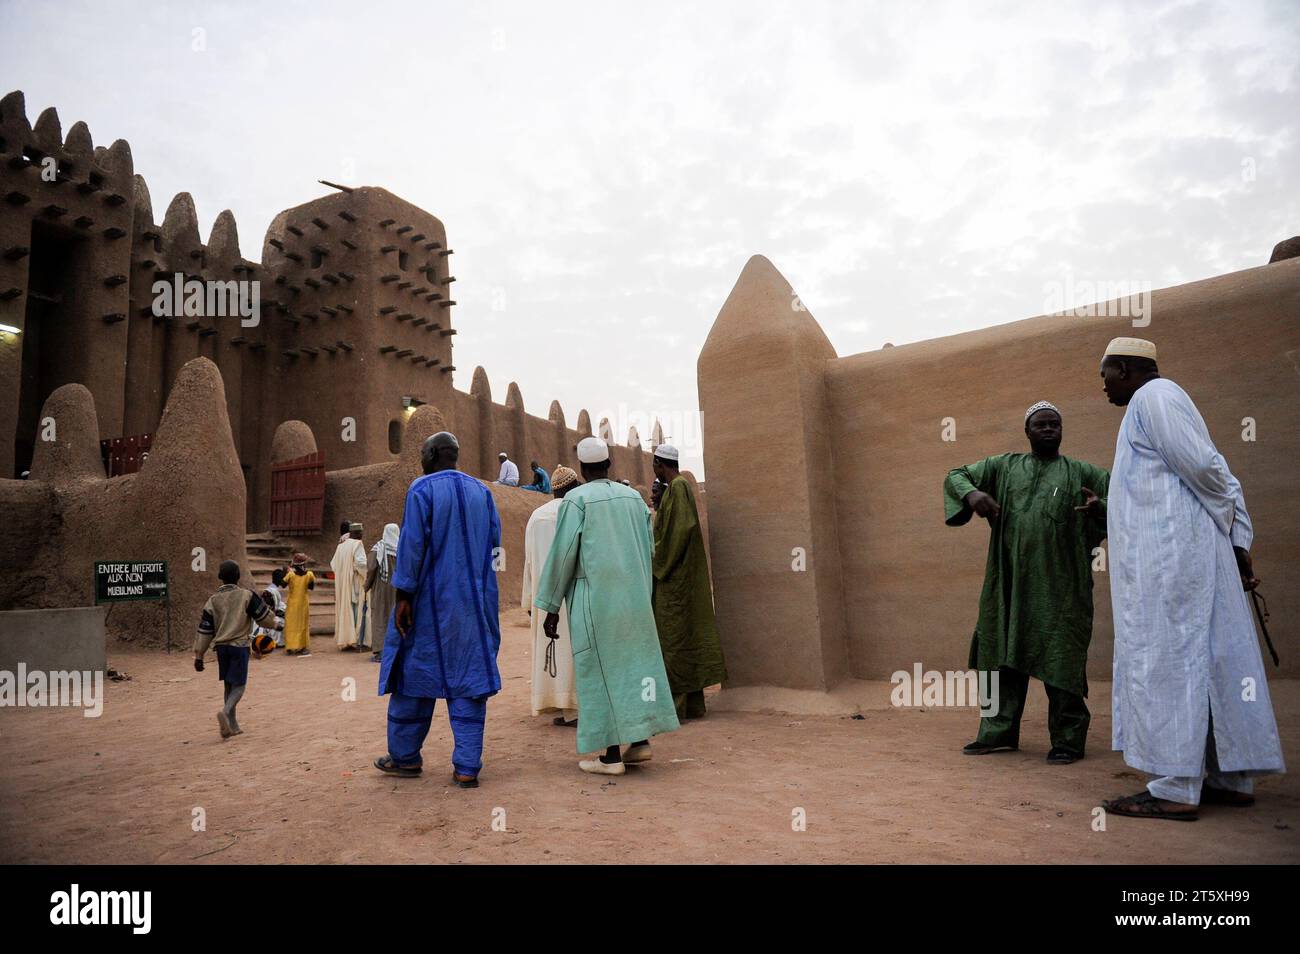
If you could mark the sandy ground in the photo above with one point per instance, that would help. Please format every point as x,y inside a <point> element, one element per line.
<point>298,786</point>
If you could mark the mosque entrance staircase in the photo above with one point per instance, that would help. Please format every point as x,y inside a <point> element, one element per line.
<point>267,552</point>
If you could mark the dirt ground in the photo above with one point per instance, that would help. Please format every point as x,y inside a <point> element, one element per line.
<point>298,786</point>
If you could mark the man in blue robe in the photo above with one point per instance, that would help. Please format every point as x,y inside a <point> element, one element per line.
<point>443,639</point>
<point>541,481</point>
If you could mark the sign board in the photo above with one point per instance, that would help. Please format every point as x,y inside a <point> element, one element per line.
<point>135,580</point>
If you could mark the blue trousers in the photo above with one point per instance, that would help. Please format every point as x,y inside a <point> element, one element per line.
<point>408,724</point>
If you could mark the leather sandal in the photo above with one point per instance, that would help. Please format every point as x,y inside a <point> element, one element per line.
<point>1145,805</point>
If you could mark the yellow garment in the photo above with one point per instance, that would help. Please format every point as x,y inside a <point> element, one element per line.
<point>297,613</point>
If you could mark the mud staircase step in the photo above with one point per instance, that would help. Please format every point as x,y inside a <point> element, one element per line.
<point>267,552</point>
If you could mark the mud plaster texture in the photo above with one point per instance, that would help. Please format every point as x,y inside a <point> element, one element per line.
<point>887,584</point>
<point>189,494</point>
<point>293,439</point>
<point>355,321</point>
<point>356,317</point>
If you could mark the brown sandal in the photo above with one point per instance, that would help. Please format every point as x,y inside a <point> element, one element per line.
<point>1145,805</point>
<point>386,765</point>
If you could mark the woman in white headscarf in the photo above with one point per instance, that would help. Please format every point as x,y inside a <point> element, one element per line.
<point>379,584</point>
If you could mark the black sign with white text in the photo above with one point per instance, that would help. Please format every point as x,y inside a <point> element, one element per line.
<point>140,580</point>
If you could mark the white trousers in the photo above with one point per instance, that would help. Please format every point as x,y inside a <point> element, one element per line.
<point>1186,790</point>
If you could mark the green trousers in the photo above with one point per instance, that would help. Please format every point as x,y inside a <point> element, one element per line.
<point>1067,714</point>
<point>690,705</point>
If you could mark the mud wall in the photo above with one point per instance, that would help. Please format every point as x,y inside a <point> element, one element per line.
<point>869,459</point>
<point>185,506</point>
<point>375,494</point>
<point>355,315</point>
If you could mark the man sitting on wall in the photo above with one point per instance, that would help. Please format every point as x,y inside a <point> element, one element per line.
<point>541,482</point>
<point>509,472</point>
<point>1035,616</point>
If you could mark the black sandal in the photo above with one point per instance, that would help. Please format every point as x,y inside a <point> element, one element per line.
<point>984,748</point>
<point>1145,805</point>
<point>1060,756</point>
<point>386,765</point>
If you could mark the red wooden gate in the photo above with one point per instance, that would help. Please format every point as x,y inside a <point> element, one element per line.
<point>125,455</point>
<point>298,495</point>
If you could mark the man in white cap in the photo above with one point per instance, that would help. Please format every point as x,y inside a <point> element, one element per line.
<point>1046,514</point>
<point>509,471</point>
<point>553,683</point>
<point>600,567</point>
<point>1190,699</point>
<point>349,566</point>
<point>683,596</point>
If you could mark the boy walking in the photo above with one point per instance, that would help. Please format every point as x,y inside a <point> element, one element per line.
<point>225,625</point>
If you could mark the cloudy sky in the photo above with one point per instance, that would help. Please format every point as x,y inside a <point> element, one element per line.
<point>605,169</point>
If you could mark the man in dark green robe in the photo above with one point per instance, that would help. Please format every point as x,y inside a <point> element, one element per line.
<point>1046,514</point>
<point>683,596</point>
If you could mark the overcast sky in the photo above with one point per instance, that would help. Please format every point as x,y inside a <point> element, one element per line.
<point>604,170</point>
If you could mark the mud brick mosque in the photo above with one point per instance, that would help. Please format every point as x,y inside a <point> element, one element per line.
<point>351,360</point>
<point>356,286</point>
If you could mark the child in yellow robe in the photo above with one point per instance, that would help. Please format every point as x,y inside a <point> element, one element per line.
<point>297,614</point>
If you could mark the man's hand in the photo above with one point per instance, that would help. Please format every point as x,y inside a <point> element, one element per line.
<point>983,505</point>
<point>279,623</point>
<point>1091,503</point>
<point>1248,579</point>
<point>402,616</point>
<point>551,626</point>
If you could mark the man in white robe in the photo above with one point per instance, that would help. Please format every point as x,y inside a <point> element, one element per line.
<point>509,474</point>
<point>553,682</point>
<point>1190,698</point>
<point>349,566</point>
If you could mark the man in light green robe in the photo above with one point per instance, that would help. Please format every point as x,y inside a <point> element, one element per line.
<point>599,567</point>
<point>1046,514</point>
<point>683,595</point>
